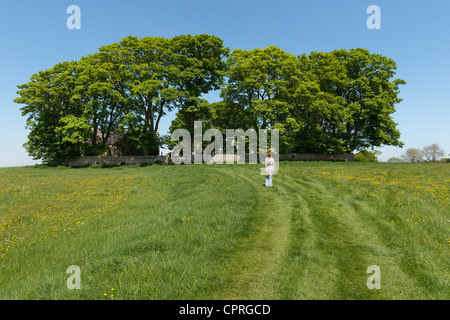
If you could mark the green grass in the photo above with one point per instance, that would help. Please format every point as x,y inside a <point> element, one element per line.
<point>215,232</point>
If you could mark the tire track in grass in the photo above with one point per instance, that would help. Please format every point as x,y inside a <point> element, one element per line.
<point>309,240</point>
<point>300,277</point>
<point>335,253</point>
<point>293,266</point>
<point>296,248</point>
<point>368,240</point>
<point>406,273</point>
<point>253,267</point>
<point>412,271</point>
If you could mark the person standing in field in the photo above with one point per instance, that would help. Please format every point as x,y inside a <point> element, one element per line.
<point>270,168</point>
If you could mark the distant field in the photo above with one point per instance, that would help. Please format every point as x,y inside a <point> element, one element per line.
<point>215,232</point>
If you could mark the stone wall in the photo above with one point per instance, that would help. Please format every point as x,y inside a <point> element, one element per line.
<point>114,160</point>
<point>148,160</point>
<point>317,157</point>
<point>297,157</point>
<point>347,157</point>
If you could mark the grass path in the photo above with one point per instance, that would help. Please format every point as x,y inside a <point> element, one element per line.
<point>310,240</point>
<point>329,251</point>
<point>258,258</point>
<point>215,232</point>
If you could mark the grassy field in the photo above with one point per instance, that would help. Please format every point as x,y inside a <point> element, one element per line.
<point>215,232</point>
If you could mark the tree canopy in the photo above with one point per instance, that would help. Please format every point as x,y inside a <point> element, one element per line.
<point>333,102</point>
<point>75,107</point>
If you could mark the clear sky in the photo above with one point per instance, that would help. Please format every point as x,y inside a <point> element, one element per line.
<point>416,34</point>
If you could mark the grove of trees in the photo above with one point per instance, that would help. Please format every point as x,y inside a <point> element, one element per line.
<point>431,153</point>
<point>74,107</point>
<point>333,102</point>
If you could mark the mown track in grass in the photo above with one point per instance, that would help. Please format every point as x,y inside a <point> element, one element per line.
<point>298,247</point>
<point>315,240</point>
<point>215,232</point>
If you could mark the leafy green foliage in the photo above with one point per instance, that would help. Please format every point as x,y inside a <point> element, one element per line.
<point>344,101</point>
<point>126,87</point>
<point>367,156</point>
<point>332,102</point>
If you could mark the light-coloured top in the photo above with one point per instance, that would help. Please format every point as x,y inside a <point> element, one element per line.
<point>270,163</point>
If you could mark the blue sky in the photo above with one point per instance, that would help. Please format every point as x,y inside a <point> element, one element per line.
<point>415,34</point>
